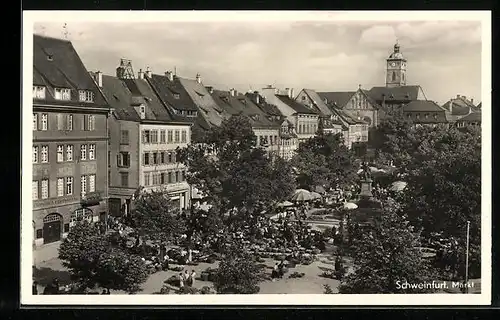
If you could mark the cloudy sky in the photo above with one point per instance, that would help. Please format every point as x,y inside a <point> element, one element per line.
<point>443,57</point>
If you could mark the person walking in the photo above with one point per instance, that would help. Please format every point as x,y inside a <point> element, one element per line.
<point>181,281</point>
<point>35,288</point>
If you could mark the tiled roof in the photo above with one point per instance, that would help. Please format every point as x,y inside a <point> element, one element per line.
<point>241,104</point>
<point>340,99</point>
<point>56,64</point>
<point>119,97</point>
<point>473,117</point>
<point>213,114</point>
<point>318,101</point>
<point>402,93</point>
<point>461,106</point>
<point>140,88</point>
<point>298,107</point>
<point>422,105</point>
<point>166,90</point>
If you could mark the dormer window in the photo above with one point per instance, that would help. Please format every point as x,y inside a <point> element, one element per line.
<point>62,94</point>
<point>142,112</point>
<point>38,92</point>
<point>177,96</point>
<point>86,95</point>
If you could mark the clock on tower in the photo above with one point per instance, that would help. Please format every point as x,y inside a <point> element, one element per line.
<point>396,69</point>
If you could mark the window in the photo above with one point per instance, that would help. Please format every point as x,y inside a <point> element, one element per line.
<point>146,136</point>
<point>176,176</point>
<point>44,121</point>
<point>86,96</point>
<point>91,123</point>
<point>83,185</point>
<point>60,153</point>
<point>162,178</point>
<point>34,187</point>
<point>162,157</point>
<point>66,228</point>
<point>60,187</point>
<point>176,135</point>
<point>83,152</point>
<point>155,158</point>
<point>69,153</point>
<point>184,136</point>
<point>124,160</point>
<point>35,154</point>
<point>177,96</point>
<point>45,154</point>
<point>45,189</point>
<point>62,94</point>
<point>124,139</point>
<point>39,233</point>
<point>146,159</point>
<point>35,121</point>
<point>92,154</point>
<point>38,92</point>
<point>69,122</point>
<point>124,179</point>
<point>169,136</point>
<point>427,116</point>
<point>69,186</point>
<point>92,183</point>
<point>154,136</point>
<point>393,76</point>
<point>156,178</point>
<point>147,181</point>
<point>169,177</point>
<point>170,160</point>
<point>182,175</point>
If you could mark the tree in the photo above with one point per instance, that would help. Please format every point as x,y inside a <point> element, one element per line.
<point>231,170</point>
<point>238,273</point>
<point>389,253</point>
<point>154,217</point>
<point>324,159</point>
<point>394,139</point>
<point>94,259</point>
<point>444,186</point>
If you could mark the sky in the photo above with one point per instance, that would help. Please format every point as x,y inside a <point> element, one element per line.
<point>444,57</point>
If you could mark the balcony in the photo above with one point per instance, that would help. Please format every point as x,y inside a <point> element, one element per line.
<point>91,199</point>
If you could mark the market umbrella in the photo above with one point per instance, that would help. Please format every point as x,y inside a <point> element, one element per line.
<point>301,190</point>
<point>319,189</point>
<point>315,195</point>
<point>398,186</point>
<point>350,206</point>
<point>285,204</point>
<point>205,207</point>
<point>302,195</point>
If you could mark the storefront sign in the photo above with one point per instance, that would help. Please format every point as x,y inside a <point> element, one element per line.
<point>40,204</point>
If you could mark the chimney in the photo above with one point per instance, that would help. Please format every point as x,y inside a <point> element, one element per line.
<point>169,75</point>
<point>458,96</point>
<point>210,89</point>
<point>232,92</point>
<point>471,100</point>
<point>325,101</point>
<point>464,97</point>
<point>359,86</point>
<point>257,98</point>
<point>98,78</point>
<point>140,74</point>
<point>450,106</point>
<point>198,78</point>
<point>148,72</point>
<point>289,92</point>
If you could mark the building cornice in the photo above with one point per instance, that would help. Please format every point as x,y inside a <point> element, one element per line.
<point>86,108</point>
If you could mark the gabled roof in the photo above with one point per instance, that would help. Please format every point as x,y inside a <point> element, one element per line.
<point>119,97</point>
<point>402,93</point>
<point>473,117</point>
<point>206,105</point>
<point>460,106</point>
<point>318,102</point>
<point>241,104</point>
<point>166,90</point>
<point>56,64</point>
<point>296,106</point>
<point>140,89</point>
<point>338,98</point>
<point>422,106</point>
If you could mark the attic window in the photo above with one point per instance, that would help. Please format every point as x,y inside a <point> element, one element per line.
<point>427,116</point>
<point>435,116</point>
<point>86,96</point>
<point>303,97</point>
<point>147,99</point>
<point>177,96</point>
<point>49,57</point>
<point>38,92</point>
<point>407,96</point>
<point>62,93</point>
<point>391,96</point>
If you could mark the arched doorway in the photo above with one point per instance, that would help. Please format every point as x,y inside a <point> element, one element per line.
<point>52,228</point>
<point>81,214</point>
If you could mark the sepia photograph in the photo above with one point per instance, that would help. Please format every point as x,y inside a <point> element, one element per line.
<point>279,158</point>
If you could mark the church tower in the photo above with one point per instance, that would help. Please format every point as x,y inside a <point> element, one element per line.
<point>396,69</point>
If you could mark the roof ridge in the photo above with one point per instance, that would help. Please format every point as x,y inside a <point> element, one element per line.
<point>49,37</point>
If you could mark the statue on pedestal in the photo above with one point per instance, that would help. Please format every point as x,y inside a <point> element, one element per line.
<point>366,181</point>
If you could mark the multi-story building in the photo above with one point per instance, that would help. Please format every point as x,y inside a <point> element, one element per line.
<point>70,142</point>
<point>266,131</point>
<point>144,137</point>
<point>288,141</point>
<point>460,107</point>
<point>425,112</point>
<point>471,120</point>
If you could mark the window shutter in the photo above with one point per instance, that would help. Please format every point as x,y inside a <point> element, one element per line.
<point>86,122</point>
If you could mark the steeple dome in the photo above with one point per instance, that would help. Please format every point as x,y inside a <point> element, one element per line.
<point>396,54</point>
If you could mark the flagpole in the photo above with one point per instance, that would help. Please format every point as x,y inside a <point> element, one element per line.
<point>467,260</point>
